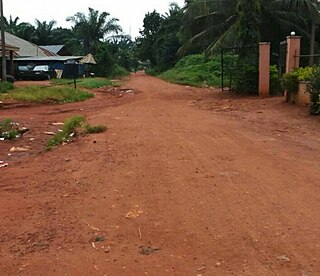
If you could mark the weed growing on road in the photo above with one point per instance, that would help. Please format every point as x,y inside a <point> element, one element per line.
<point>8,129</point>
<point>72,127</point>
<point>94,129</point>
<point>40,94</point>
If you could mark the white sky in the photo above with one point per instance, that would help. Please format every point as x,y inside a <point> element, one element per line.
<point>129,12</point>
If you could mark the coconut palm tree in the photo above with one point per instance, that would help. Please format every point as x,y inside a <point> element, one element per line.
<point>92,28</point>
<point>311,8</point>
<point>215,23</point>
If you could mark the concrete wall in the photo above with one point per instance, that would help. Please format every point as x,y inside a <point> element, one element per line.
<point>301,97</point>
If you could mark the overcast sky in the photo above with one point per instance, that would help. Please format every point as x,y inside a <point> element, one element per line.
<point>129,12</point>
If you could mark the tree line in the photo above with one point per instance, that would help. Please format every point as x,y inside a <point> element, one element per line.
<point>200,26</point>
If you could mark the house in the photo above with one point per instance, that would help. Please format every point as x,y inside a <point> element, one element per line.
<point>28,53</point>
<point>11,52</point>
<point>26,48</point>
<point>60,50</point>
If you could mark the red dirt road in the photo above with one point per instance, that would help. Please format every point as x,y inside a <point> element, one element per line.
<point>185,181</point>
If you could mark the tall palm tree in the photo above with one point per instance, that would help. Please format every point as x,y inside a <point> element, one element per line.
<point>93,28</point>
<point>11,25</point>
<point>43,32</point>
<point>215,23</point>
<point>311,8</point>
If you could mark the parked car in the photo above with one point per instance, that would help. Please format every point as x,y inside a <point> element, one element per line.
<point>24,72</point>
<point>43,72</point>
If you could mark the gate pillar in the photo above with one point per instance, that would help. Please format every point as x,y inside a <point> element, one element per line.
<point>293,52</point>
<point>264,69</point>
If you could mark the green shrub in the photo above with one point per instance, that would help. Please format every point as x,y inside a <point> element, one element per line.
<point>5,87</point>
<point>313,88</point>
<point>291,82</point>
<point>291,79</point>
<point>246,78</point>
<point>195,70</point>
<point>275,83</point>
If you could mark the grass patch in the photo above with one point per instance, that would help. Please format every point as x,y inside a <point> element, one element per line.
<point>8,129</point>
<point>40,94</point>
<point>195,70</point>
<point>94,129</point>
<point>88,83</point>
<point>72,127</point>
<point>5,87</point>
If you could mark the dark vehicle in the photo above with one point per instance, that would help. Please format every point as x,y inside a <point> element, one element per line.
<point>24,72</point>
<point>43,72</point>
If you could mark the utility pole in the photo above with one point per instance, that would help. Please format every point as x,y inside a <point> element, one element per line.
<point>3,45</point>
<point>312,37</point>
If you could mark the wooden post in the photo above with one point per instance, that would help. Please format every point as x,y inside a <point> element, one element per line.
<point>3,45</point>
<point>264,69</point>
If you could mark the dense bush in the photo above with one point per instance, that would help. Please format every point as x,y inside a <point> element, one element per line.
<point>291,80</point>
<point>275,84</point>
<point>313,88</point>
<point>246,77</point>
<point>195,70</point>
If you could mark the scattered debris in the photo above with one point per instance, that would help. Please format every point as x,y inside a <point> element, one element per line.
<point>58,124</point>
<point>283,258</point>
<point>49,133</point>
<point>98,239</point>
<point>135,213</point>
<point>19,149</point>
<point>3,164</point>
<point>201,268</point>
<point>140,234</point>
<point>93,228</point>
<point>229,174</point>
<point>147,250</point>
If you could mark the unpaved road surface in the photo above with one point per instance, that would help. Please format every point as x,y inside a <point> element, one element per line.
<point>185,181</point>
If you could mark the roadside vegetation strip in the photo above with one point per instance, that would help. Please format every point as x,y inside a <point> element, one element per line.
<point>72,127</point>
<point>5,87</point>
<point>195,70</point>
<point>40,94</point>
<point>88,83</point>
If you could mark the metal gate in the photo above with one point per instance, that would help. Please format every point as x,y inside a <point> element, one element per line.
<point>240,69</point>
<point>282,58</point>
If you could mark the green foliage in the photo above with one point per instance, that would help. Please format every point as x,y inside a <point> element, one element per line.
<point>248,11</point>
<point>72,127</point>
<point>275,84</point>
<point>246,77</point>
<point>8,129</point>
<point>39,94</point>
<point>147,41</point>
<point>5,87</point>
<point>291,80</point>
<point>92,27</point>
<point>68,131</point>
<point>195,70</point>
<point>95,129</point>
<point>313,88</point>
<point>88,83</point>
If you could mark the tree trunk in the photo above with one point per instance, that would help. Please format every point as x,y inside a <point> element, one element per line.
<point>3,45</point>
<point>312,43</point>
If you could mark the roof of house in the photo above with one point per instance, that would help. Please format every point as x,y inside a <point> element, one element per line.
<point>49,58</point>
<point>53,48</point>
<point>27,49</point>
